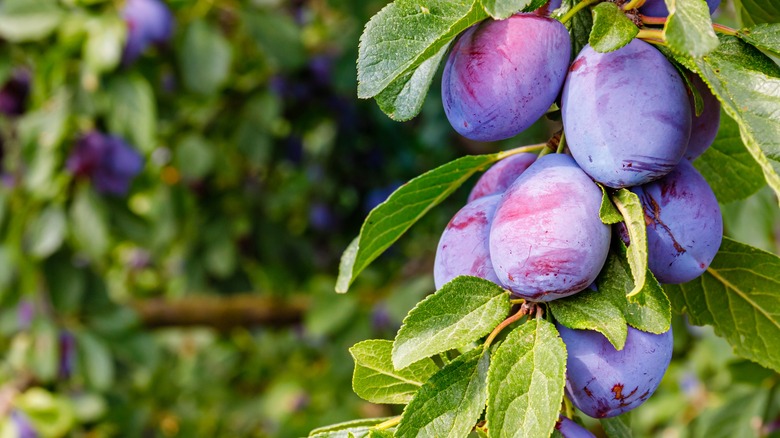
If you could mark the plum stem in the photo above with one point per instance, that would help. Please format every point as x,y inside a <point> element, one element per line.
<point>717,27</point>
<point>568,408</point>
<point>633,4</point>
<point>389,423</point>
<point>655,36</point>
<point>646,19</point>
<point>578,7</point>
<point>561,144</point>
<point>520,150</point>
<point>514,318</point>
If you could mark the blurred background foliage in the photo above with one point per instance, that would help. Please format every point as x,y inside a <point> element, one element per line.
<point>178,182</point>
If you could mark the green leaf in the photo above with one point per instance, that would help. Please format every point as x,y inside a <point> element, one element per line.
<point>739,296</point>
<point>406,33</point>
<point>611,28</point>
<point>595,310</point>
<point>525,382</point>
<point>195,157</point>
<point>88,223</point>
<point>579,26</point>
<point>617,427</point>
<point>501,9</point>
<point>51,415</point>
<point>450,403</point>
<point>132,112</point>
<point>747,83</point>
<point>390,219</point>
<point>29,20</point>
<point>461,312</point>
<point>764,36</point>
<point>380,433</point>
<point>47,232</point>
<point>45,357</point>
<point>205,58</point>
<point>404,97</point>
<point>727,165</point>
<point>376,380</point>
<point>608,213</point>
<point>634,215</point>
<point>753,12</point>
<point>104,43</point>
<point>734,418</point>
<point>278,36</point>
<point>358,428</point>
<point>688,29</point>
<point>95,361</point>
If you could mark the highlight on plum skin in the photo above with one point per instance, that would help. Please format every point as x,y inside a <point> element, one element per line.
<point>657,8</point>
<point>603,382</point>
<point>463,247</point>
<point>569,429</point>
<point>705,126</point>
<point>684,224</point>
<point>546,240</point>
<point>497,81</point>
<point>626,114</point>
<point>501,175</point>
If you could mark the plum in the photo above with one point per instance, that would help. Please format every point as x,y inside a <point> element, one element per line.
<point>570,429</point>
<point>626,114</point>
<point>148,22</point>
<point>604,382</point>
<point>548,7</point>
<point>107,160</point>
<point>657,8</point>
<point>684,224</point>
<point>501,175</point>
<point>14,93</point>
<point>547,240</point>
<point>705,126</point>
<point>463,246</point>
<point>501,76</point>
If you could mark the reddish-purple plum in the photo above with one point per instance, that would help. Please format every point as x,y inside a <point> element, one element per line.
<point>547,240</point>
<point>501,175</point>
<point>463,246</point>
<point>502,76</point>
<point>570,429</point>
<point>705,126</point>
<point>107,160</point>
<point>604,382</point>
<point>626,114</point>
<point>14,93</point>
<point>657,8</point>
<point>684,224</point>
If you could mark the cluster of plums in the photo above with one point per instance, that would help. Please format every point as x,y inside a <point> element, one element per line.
<point>532,224</point>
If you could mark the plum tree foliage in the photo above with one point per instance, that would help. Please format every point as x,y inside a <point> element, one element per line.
<point>642,97</point>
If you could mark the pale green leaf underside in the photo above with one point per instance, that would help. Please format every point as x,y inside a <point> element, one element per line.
<point>461,312</point>
<point>357,428</point>
<point>607,212</point>
<point>450,403</point>
<point>764,36</point>
<point>392,218</point>
<point>500,9</point>
<point>375,379</point>
<point>525,382</point>
<point>739,296</point>
<point>611,28</point>
<point>618,427</point>
<point>634,216</point>
<point>688,29</point>
<point>406,33</point>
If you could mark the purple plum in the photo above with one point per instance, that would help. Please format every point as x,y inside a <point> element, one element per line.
<point>569,429</point>
<point>604,382</point>
<point>501,175</point>
<point>463,246</point>
<point>705,127</point>
<point>107,160</point>
<point>684,224</point>
<point>657,8</point>
<point>24,428</point>
<point>501,76</point>
<point>548,7</point>
<point>626,114</point>
<point>13,95</point>
<point>547,240</point>
<point>148,22</point>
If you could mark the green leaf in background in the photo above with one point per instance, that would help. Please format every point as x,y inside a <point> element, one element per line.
<point>95,361</point>
<point>47,231</point>
<point>608,213</point>
<point>376,380</point>
<point>765,36</point>
<point>104,44</point>
<point>131,111</point>
<point>611,28</point>
<point>600,310</point>
<point>29,20</point>
<point>525,382</point>
<point>404,97</point>
<point>461,312</point>
<point>194,157</point>
<point>736,417</point>
<point>278,36</point>
<point>51,415</point>
<point>450,403</point>
<point>634,215</point>
<point>205,57</point>
<point>727,165</point>
<point>617,427</point>
<point>406,33</point>
<point>347,429</point>
<point>45,353</point>
<point>752,12</point>
<point>390,219</point>
<point>747,83</point>
<point>579,26</point>
<point>688,29</point>
<point>500,9</point>
<point>88,223</point>
<point>739,296</point>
